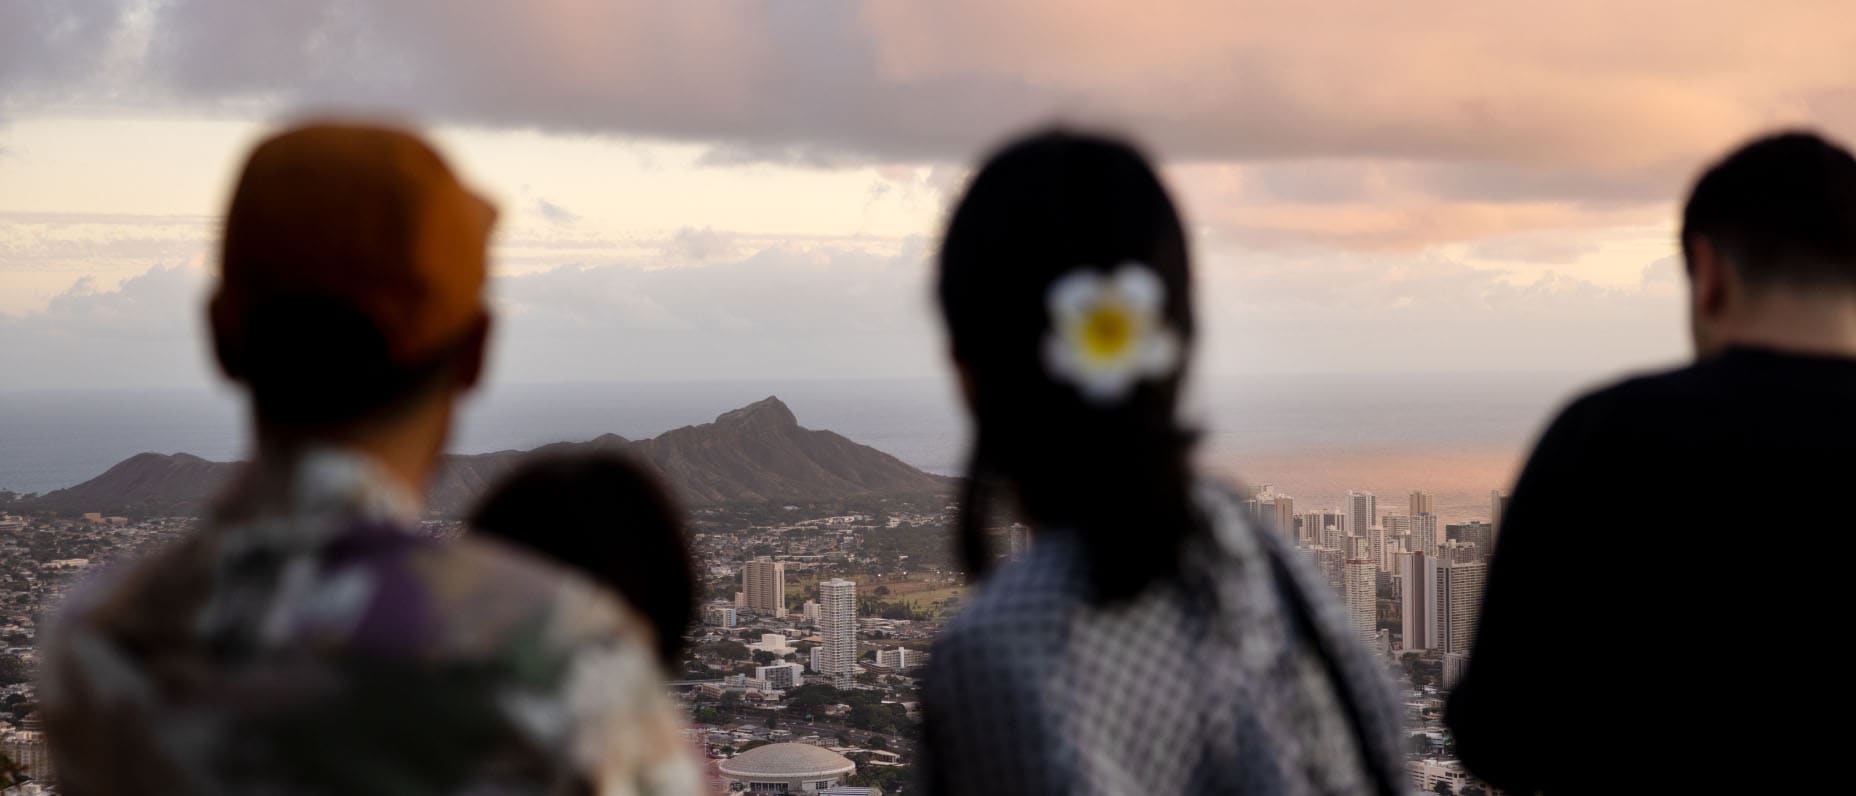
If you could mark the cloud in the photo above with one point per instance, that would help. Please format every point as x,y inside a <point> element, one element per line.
<point>45,43</point>
<point>787,312</point>
<point>1566,93</point>
<point>1357,125</point>
<point>1380,312</point>
<point>781,312</point>
<point>555,214</point>
<point>147,332</point>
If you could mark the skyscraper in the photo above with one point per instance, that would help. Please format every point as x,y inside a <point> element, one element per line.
<point>1418,602</point>
<point>1424,536</point>
<point>1479,534</point>
<point>1325,528</point>
<point>1362,590</point>
<point>837,623</point>
<point>763,583</point>
<point>1498,505</point>
<point>1363,521</point>
<point>1459,604</point>
<point>1421,504</point>
<point>1362,512</point>
<point>1285,517</point>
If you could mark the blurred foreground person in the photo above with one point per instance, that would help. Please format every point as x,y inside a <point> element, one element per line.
<point>1648,624</point>
<point>609,518</point>
<point>308,638</point>
<point>1152,641</point>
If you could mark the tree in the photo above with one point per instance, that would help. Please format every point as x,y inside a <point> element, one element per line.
<point>877,742</point>
<point>726,650</point>
<point>882,591</point>
<point>13,670</point>
<point>1443,787</point>
<point>773,721</point>
<point>765,658</point>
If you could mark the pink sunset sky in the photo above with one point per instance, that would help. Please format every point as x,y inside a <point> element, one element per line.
<point>754,189</point>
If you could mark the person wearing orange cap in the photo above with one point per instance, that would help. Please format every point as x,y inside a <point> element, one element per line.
<point>308,638</point>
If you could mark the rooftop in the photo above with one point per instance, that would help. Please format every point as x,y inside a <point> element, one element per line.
<point>787,760</point>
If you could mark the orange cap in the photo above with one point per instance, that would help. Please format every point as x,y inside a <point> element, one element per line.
<point>366,217</point>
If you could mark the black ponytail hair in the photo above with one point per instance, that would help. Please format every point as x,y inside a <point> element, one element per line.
<point>1116,474</point>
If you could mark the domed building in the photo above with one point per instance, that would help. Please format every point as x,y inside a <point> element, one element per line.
<point>787,768</point>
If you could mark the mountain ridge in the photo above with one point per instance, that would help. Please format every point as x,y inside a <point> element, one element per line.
<point>757,453</point>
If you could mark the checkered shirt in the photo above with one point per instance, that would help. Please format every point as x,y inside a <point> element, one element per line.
<point>1235,677</point>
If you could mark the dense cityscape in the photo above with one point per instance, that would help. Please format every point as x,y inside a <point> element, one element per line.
<point>818,619</point>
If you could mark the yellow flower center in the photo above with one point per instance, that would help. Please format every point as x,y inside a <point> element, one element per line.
<point>1108,330</point>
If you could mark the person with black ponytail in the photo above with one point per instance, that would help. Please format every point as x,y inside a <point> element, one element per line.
<point>1151,641</point>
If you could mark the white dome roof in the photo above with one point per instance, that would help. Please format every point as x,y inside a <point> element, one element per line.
<point>784,760</point>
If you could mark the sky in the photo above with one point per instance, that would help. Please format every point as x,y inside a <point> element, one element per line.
<point>696,191</point>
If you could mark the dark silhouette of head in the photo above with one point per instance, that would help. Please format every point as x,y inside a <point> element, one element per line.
<point>351,276</point>
<point>609,518</point>
<point>1780,210</point>
<point>1047,220</point>
<point>1769,241</point>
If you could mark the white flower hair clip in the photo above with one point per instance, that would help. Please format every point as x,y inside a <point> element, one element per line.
<point>1108,331</point>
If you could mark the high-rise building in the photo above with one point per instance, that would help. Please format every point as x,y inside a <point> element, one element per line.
<point>1376,539</point>
<point>1362,590</point>
<point>1424,537</point>
<point>837,622</point>
<point>763,581</point>
<point>1324,528</point>
<point>781,676</point>
<point>1363,521</point>
<point>1362,510</point>
<point>1459,604</point>
<point>900,658</point>
<point>1460,553</point>
<point>719,615</point>
<point>1396,528</point>
<point>1421,503</point>
<point>1480,534</point>
<point>1498,506</point>
<point>1418,602</point>
<point>1455,664</point>
<point>809,611</point>
<point>1284,517</point>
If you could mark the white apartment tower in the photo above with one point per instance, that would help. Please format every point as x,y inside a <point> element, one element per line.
<point>1425,535</point>
<point>1362,590</point>
<point>763,584</point>
<point>837,623</point>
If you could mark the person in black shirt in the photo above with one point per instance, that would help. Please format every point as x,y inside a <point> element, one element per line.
<point>1671,570</point>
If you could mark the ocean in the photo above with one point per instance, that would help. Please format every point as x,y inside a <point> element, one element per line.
<point>1312,437</point>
